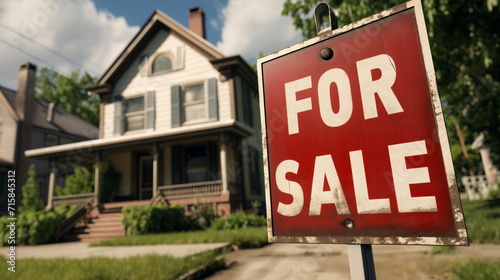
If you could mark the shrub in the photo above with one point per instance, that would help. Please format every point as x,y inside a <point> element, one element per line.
<point>111,179</point>
<point>239,220</point>
<point>139,220</point>
<point>81,181</point>
<point>35,227</point>
<point>31,197</point>
<point>202,215</point>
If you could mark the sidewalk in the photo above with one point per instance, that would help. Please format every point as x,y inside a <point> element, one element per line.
<point>79,250</point>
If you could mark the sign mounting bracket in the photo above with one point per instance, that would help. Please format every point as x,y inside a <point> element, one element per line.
<point>325,18</point>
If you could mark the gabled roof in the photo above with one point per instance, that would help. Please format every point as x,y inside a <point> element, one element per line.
<point>63,122</point>
<point>8,98</point>
<point>156,21</point>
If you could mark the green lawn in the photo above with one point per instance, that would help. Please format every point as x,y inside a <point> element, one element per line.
<point>251,237</point>
<point>482,219</point>
<point>476,270</point>
<point>140,268</point>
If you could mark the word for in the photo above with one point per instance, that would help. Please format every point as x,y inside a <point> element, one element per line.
<point>368,86</point>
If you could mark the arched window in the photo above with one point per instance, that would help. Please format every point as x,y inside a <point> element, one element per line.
<point>162,63</point>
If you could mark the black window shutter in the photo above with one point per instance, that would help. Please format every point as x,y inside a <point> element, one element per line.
<point>150,109</point>
<point>118,119</point>
<point>213,161</point>
<point>175,91</point>
<point>177,165</point>
<point>213,110</point>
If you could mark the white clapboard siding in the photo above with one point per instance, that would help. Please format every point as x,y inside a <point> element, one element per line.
<point>197,68</point>
<point>109,111</point>
<point>8,133</point>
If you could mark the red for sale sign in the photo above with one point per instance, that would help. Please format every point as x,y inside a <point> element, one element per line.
<point>355,145</point>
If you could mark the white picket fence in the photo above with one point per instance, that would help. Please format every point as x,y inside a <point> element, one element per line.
<point>477,187</point>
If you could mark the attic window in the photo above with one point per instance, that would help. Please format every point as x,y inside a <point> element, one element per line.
<point>162,63</point>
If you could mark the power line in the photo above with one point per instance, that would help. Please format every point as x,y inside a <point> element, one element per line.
<point>44,47</point>
<point>26,53</point>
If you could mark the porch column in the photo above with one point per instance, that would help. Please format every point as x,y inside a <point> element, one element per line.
<point>97,178</point>
<point>52,182</point>
<point>155,169</point>
<point>223,163</point>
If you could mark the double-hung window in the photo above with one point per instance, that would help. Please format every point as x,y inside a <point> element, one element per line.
<point>134,113</point>
<point>193,103</point>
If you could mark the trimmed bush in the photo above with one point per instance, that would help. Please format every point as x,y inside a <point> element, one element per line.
<point>239,220</point>
<point>139,220</point>
<point>35,227</point>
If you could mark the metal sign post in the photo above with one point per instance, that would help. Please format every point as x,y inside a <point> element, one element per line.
<point>361,262</point>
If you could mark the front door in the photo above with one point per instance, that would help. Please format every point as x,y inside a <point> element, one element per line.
<point>145,177</point>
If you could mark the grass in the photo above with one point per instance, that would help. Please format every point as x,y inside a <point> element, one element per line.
<point>141,267</point>
<point>482,218</point>
<point>251,237</point>
<point>476,270</point>
<point>442,250</point>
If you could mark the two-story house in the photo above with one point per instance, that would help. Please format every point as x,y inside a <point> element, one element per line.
<point>30,123</point>
<point>179,122</point>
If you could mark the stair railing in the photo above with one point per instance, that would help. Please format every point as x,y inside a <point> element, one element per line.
<point>82,214</point>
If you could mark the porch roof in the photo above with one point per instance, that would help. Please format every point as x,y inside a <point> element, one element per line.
<point>142,138</point>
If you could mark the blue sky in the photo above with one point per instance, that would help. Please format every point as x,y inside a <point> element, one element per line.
<point>88,35</point>
<point>136,12</point>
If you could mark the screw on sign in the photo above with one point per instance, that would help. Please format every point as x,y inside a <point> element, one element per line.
<point>355,146</point>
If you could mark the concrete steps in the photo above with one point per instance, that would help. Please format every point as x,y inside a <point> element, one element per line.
<point>105,226</point>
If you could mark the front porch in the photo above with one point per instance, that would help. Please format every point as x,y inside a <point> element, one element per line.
<point>186,195</point>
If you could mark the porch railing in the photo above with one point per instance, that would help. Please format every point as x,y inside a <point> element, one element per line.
<point>191,190</point>
<point>73,199</point>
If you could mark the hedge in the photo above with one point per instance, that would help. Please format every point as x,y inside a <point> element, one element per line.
<point>139,220</point>
<point>239,220</point>
<point>34,227</point>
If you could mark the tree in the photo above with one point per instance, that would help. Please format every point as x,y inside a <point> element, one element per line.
<point>464,38</point>
<point>31,196</point>
<point>69,93</point>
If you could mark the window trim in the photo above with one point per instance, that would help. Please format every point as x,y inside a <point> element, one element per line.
<point>170,56</point>
<point>205,102</point>
<point>132,114</point>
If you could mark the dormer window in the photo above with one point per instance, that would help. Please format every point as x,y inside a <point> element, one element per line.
<point>162,63</point>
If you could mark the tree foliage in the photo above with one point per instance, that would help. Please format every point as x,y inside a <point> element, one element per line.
<point>68,92</point>
<point>81,181</point>
<point>31,195</point>
<point>464,38</point>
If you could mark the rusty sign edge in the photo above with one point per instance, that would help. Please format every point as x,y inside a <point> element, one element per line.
<point>461,238</point>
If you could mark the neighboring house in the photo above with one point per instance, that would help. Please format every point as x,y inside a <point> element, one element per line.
<point>30,123</point>
<point>179,122</point>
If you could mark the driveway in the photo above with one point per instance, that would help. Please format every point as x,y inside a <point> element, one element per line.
<point>318,262</point>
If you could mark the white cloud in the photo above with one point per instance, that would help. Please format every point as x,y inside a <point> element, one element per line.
<point>90,39</point>
<point>256,26</point>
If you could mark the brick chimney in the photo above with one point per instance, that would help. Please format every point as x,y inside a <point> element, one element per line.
<point>25,91</point>
<point>197,21</point>
<point>25,97</point>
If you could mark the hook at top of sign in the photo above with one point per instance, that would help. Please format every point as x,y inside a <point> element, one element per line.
<point>325,18</point>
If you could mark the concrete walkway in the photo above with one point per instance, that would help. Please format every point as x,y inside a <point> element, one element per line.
<point>79,250</point>
<point>330,261</point>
